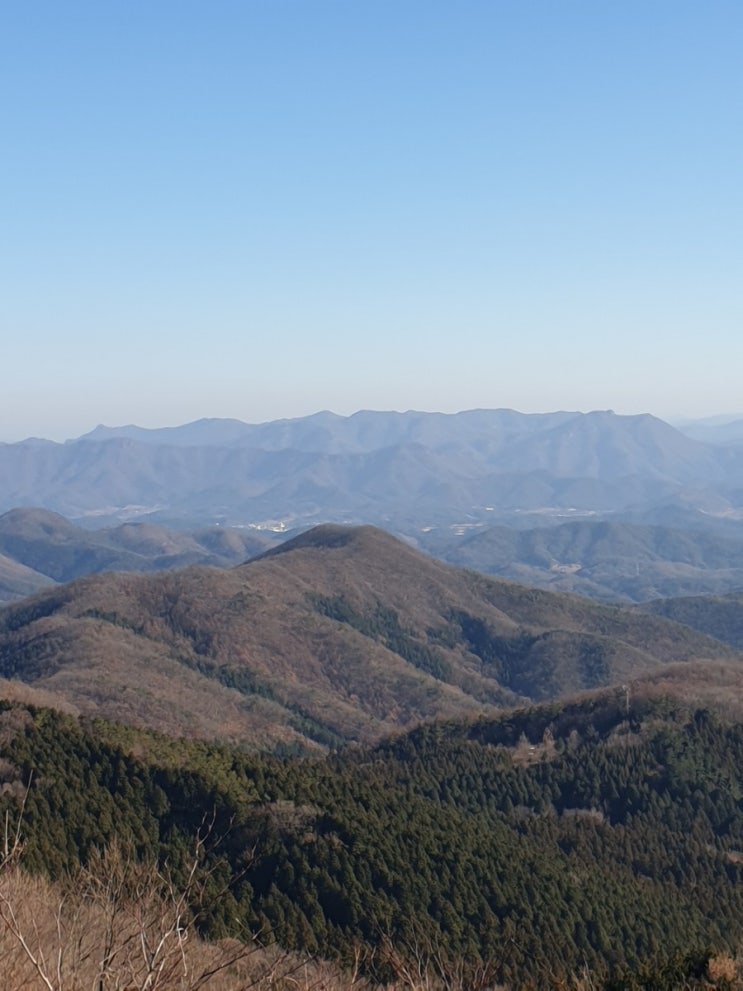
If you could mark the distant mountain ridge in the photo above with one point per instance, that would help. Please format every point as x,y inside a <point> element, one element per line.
<point>398,470</point>
<point>331,433</point>
<point>715,430</point>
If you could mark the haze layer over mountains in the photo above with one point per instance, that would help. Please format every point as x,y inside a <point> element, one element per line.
<point>614,507</point>
<point>583,755</point>
<point>399,470</point>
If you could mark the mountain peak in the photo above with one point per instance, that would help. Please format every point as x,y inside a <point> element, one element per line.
<point>331,536</point>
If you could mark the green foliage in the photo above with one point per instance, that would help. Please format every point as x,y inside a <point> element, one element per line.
<point>717,616</point>
<point>553,838</point>
<point>505,658</point>
<point>384,626</point>
<point>28,611</point>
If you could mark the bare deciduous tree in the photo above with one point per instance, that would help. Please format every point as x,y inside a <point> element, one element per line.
<point>419,964</point>
<point>119,924</point>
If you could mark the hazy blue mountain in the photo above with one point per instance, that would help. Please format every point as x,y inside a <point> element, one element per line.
<point>364,431</point>
<point>400,470</point>
<point>714,430</point>
<point>17,581</point>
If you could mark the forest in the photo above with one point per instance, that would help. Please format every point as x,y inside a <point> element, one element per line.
<point>604,835</point>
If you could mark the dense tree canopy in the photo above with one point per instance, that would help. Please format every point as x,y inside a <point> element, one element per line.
<point>604,833</point>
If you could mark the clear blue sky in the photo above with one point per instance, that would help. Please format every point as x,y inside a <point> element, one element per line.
<point>262,208</point>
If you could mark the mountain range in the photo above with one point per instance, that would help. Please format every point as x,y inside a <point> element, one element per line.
<point>404,471</point>
<point>607,560</point>
<point>339,634</point>
<point>540,781</point>
<point>563,751</point>
<point>39,547</point>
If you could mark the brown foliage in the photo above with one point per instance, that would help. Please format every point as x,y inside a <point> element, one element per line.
<point>246,655</point>
<point>118,925</point>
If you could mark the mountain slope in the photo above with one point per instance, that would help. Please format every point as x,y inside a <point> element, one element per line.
<point>57,548</point>
<point>339,634</point>
<point>718,616</point>
<point>17,581</point>
<point>601,559</point>
<point>593,844</point>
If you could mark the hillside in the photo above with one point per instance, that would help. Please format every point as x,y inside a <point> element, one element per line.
<point>716,616</point>
<point>609,560</point>
<point>339,634</point>
<point>606,560</point>
<point>17,580</point>
<point>596,844</point>
<point>59,551</point>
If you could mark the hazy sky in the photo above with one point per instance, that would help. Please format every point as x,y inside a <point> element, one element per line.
<point>263,208</point>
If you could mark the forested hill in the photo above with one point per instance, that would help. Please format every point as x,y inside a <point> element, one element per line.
<point>343,633</point>
<point>719,616</point>
<point>605,837</point>
<point>47,548</point>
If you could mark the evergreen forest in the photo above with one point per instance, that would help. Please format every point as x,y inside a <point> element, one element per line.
<point>601,836</point>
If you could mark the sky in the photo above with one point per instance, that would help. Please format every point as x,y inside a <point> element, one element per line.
<point>264,208</point>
